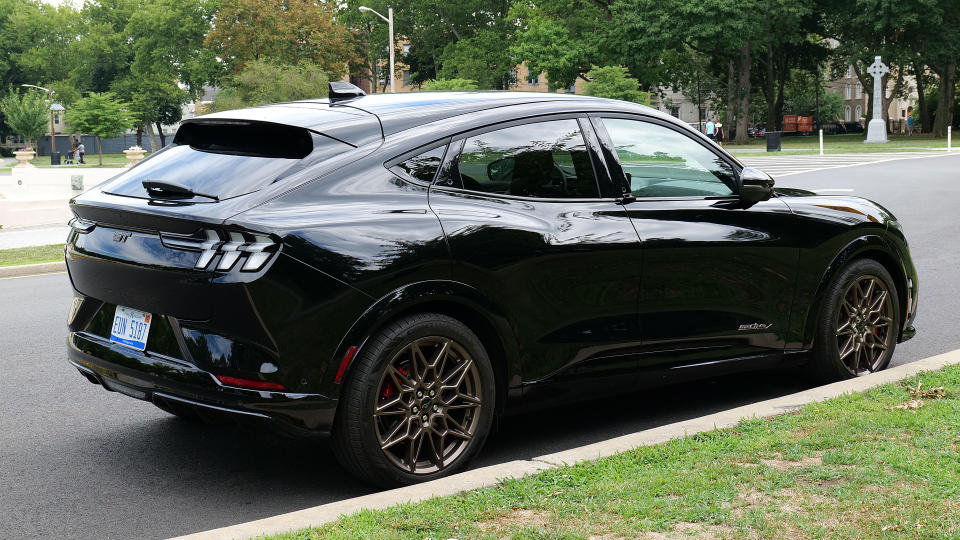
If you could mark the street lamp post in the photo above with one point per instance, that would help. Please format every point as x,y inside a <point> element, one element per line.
<point>389,19</point>
<point>53,134</point>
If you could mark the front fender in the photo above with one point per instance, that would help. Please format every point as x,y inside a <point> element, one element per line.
<point>812,283</point>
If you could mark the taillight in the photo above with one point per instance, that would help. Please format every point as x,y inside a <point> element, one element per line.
<point>255,249</point>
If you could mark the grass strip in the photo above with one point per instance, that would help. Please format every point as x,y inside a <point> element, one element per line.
<point>873,465</point>
<point>31,255</point>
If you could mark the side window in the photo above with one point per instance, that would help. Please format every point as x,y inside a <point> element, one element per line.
<point>660,162</point>
<point>542,159</point>
<point>423,166</point>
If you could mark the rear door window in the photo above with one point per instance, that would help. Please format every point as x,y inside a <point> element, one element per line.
<point>542,159</point>
<point>422,166</point>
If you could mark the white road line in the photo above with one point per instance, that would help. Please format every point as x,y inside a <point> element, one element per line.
<point>788,166</point>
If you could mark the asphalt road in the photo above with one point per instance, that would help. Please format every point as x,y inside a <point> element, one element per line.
<point>79,462</point>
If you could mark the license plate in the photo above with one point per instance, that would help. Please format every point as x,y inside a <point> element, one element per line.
<point>130,327</point>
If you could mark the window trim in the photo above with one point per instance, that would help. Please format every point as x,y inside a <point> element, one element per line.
<point>616,168</point>
<point>391,164</point>
<point>452,158</point>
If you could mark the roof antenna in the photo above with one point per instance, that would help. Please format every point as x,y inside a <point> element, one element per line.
<point>341,91</point>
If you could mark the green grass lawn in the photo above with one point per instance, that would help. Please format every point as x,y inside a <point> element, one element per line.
<point>856,466</point>
<point>842,144</point>
<point>31,255</point>
<point>109,160</point>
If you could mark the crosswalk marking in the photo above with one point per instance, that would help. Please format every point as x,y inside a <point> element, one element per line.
<point>786,165</point>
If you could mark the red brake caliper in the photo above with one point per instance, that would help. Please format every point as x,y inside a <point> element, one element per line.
<point>388,389</point>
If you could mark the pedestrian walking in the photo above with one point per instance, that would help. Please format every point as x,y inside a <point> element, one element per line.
<point>81,151</point>
<point>711,126</point>
<point>909,126</point>
<point>719,134</point>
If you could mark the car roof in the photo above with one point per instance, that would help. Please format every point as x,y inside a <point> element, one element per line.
<point>353,120</point>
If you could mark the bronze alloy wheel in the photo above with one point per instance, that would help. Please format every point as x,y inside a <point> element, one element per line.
<point>428,405</point>
<point>865,325</point>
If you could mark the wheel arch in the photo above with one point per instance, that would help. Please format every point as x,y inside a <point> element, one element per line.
<point>454,299</point>
<point>870,246</point>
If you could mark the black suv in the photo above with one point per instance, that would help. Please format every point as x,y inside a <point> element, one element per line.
<point>396,270</point>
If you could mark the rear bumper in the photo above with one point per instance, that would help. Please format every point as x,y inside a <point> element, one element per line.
<point>169,382</point>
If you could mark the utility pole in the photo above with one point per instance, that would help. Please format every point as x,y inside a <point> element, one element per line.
<point>389,19</point>
<point>699,104</point>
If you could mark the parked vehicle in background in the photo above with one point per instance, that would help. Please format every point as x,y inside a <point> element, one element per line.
<point>396,270</point>
<point>756,132</point>
<point>797,125</point>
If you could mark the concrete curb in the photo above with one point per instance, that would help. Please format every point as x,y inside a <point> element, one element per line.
<point>492,475</point>
<point>31,269</point>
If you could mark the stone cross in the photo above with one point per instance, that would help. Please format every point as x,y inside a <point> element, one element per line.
<point>878,69</point>
<point>877,129</point>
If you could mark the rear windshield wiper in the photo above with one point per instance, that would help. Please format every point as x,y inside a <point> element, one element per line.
<point>169,190</point>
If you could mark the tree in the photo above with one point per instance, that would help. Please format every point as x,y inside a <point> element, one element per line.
<point>564,38</point>
<point>100,114</point>
<point>733,35</point>
<point>168,38</point>
<point>154,99</point>
<point>481,58</point>
<point>27,114</point>
<point>450,84</point>
<point>615,83</point>
<point>261,82</point>
<point>280,31</point>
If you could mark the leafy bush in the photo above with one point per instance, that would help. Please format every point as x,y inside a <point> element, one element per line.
<point>614,82</point>
<point>27,115</point>
<point>450,84</point>
<point>262,82</point>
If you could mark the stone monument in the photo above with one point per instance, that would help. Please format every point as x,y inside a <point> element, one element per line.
<point>877,129</point>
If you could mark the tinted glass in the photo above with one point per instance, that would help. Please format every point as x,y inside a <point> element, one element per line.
<point>543,159</point>
<point>423,166</point>
<point>661,162</point>
<point>223,175</point>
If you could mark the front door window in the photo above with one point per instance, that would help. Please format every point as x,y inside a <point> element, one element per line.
<point>661,162</point>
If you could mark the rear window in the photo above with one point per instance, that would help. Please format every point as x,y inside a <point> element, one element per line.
<point>227,158</point>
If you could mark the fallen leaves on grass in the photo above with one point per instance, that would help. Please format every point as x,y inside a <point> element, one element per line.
<point>918,392</point>
<point>911,405</point>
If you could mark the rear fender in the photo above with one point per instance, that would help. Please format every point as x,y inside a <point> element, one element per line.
<point>458,300</point>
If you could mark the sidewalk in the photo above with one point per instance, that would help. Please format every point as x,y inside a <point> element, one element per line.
<point>33,236</point>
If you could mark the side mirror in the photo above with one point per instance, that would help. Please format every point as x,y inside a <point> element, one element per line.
<point>755,186</point>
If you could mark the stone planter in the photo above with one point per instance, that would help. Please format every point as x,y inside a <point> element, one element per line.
<point>133,156</point>
<point>24,157</point>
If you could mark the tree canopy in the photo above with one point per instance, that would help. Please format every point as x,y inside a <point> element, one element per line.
<point>27,113</point>
<point>100,114</point>
<point>751,60</point>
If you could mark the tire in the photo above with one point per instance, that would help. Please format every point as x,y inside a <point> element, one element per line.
<point>385,379</point>
<point>852,338</point>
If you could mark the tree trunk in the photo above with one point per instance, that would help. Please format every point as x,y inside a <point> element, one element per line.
<point>99,150</point>
<point>140,136</point>
<point>731,97</point>
<point>923,111</point>
<point>948,81</point>
<point>743,96</point>
<point>770,90</point>
<point>154,144</point>
<point>784,73</point>
<point>163,138</point>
